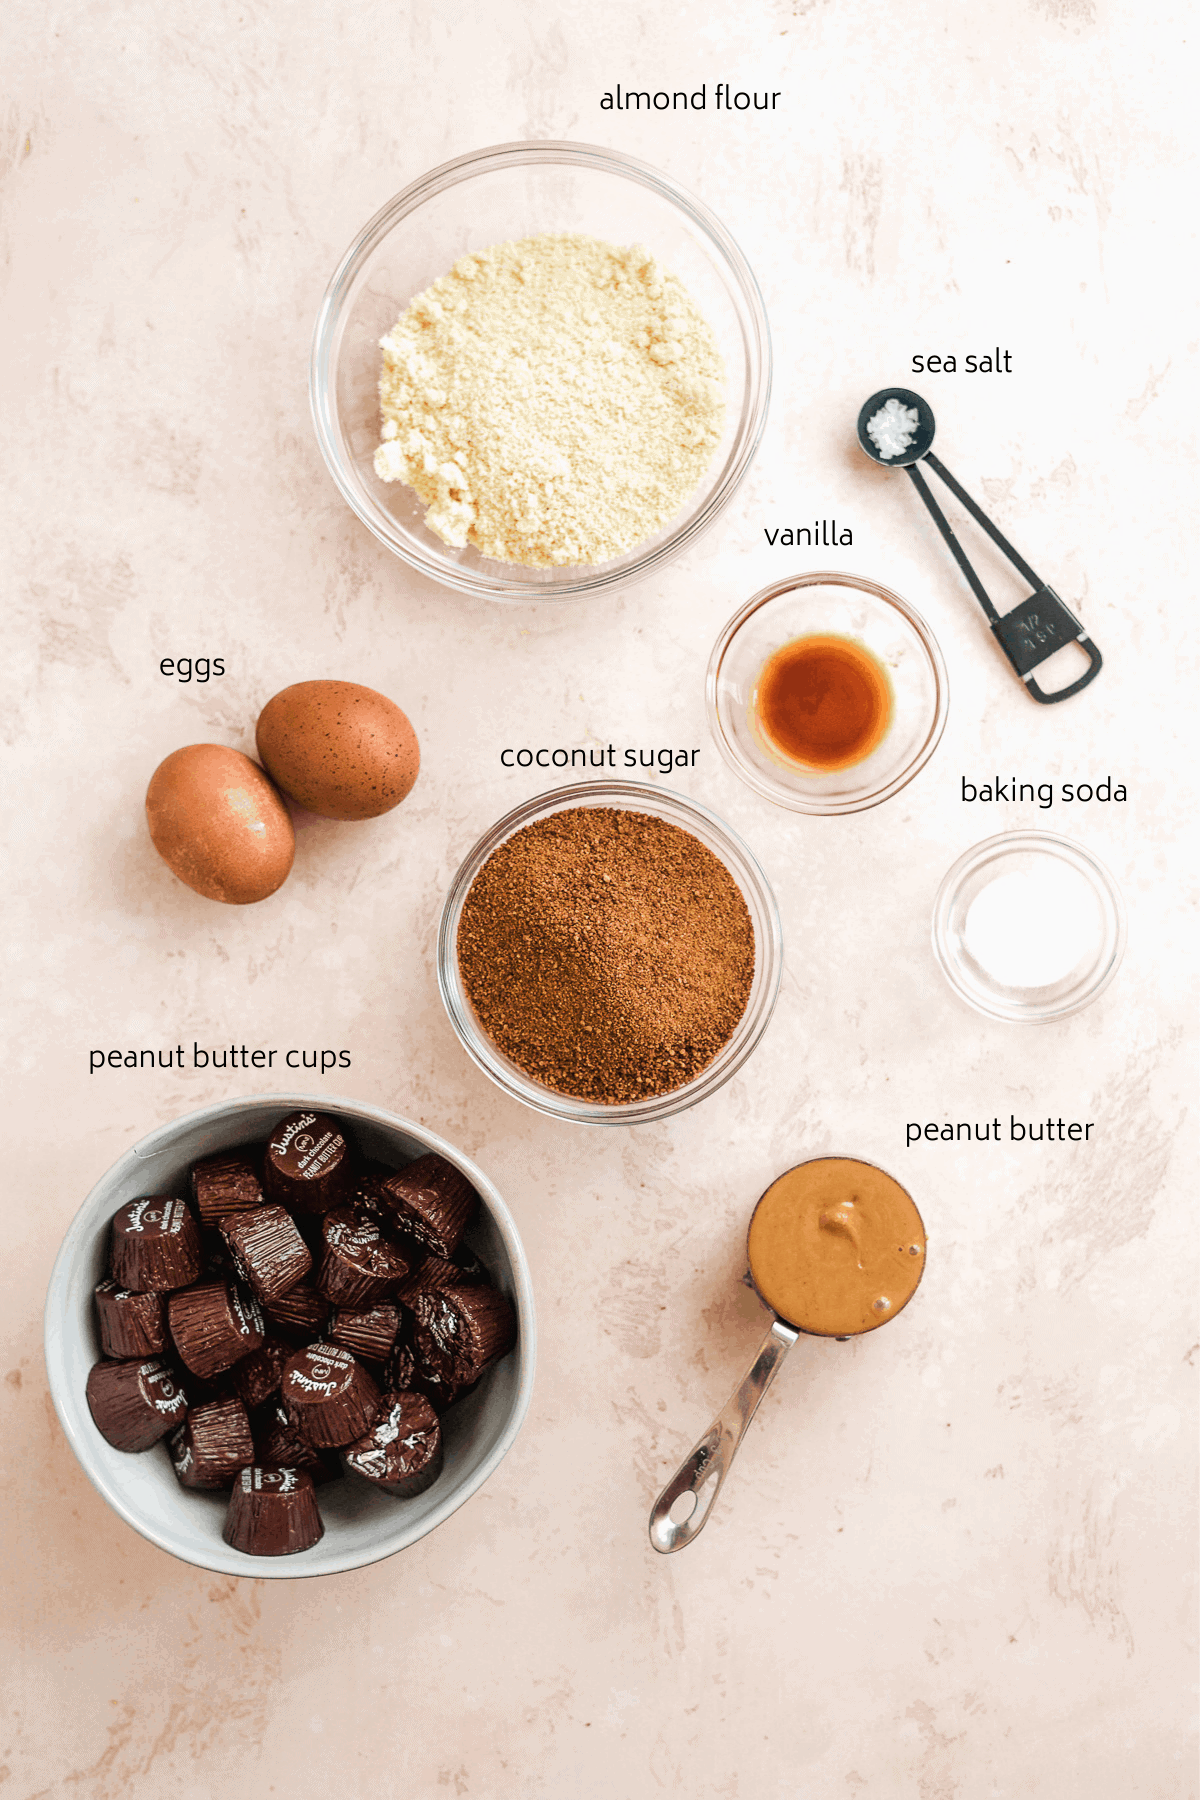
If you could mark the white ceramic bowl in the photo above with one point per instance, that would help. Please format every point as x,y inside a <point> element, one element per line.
<point>360,1526</point>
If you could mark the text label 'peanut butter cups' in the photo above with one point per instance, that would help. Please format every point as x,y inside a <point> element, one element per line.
<point>309,1163</point>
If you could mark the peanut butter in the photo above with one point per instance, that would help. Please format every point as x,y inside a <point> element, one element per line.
<point>836,1247</point>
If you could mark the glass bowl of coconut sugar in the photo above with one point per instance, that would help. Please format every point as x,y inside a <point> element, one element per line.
<point>540,372</point>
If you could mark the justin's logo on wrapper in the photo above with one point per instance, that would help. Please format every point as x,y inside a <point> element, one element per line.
<point>281,1481</point>
<point>246,1313</point>
<point>145,1214</point>
<point>160,1391</point>
<point>328,1368</point>
<point>279,1145</point>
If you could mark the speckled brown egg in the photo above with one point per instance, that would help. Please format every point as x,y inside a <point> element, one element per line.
<point>220,824</point>
<point>341,750</point>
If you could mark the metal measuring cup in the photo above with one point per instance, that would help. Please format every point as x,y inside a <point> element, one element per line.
<point>702,1472</point>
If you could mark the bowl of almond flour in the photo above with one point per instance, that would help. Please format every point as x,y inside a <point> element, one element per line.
<point>540,372</point>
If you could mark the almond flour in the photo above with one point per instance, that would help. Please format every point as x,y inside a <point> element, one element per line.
<point>552,401</point>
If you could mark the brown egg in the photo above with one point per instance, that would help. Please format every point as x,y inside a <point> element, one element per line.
<point>341,750</point>
<point>219,824</point>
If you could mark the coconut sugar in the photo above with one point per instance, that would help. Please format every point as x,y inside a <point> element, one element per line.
<point>552,401</point>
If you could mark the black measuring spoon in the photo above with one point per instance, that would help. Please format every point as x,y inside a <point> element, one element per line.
<point>1041,624</point>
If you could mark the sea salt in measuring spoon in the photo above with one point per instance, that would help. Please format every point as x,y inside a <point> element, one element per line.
<point>895,428</point>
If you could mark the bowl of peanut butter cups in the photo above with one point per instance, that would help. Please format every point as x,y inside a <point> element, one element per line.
<point>231,1335</point>
<point>610,953</point>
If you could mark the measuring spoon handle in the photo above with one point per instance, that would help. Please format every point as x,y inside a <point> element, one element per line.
<point>704,1469</point>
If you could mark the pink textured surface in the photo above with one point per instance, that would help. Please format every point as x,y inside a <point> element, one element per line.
<point>953,1558</point>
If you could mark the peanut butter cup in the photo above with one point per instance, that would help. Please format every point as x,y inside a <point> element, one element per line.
<point>273,1512</point>
<point>212,1444</point>
<point>359,1266</point>
<point>278,1444</point>
<point>130,1324</point>
<point>459,1332</point>
<point>214,1325</point>
<point>328,1395</point>
<point>134,1404</point>
<point>267,1251</point>
<point>434,1273</point>
<point>432,1201</point>
<point>408,1372</point>
<point>301,1313</point>
<point>370,1333</point>
<point>257,1376</point>
<point>401,1454</point>
<point>225,1184</point>
<point>155,1245</point>
<point>309,1163</point>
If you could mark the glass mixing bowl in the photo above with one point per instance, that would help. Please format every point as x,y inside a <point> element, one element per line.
<point>514,191</point>
<point>871,616</point>
<point>768,954</point>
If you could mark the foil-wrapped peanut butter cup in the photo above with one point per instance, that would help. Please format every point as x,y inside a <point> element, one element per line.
<point>367,1190</point>
<point>401,1454</point>
<point>267,1251</point>
<point>302,1313</point>
<point>154,1245</point>
<point>134,1404</point>
<point>435,1273</point>
<point>359,1266</point>
<point>309,1163</point>
<point>328,1395</point>
<point>212,1444</point>
<point>368,1333</point>
<point>278,1444</point>
<point>433,1202</point>
<point>273,1512</point>
<point>257,1376</point>
<point>130,1324</point>
<point>407,1371</point>
<point>225,1184</point>
<point>214,1325</point>
<point>460,1332</point>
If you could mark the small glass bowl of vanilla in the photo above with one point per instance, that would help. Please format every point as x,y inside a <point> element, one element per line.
<point>827,693</point>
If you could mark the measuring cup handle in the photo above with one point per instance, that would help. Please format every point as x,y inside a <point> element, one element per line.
<point>705,1467</point>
